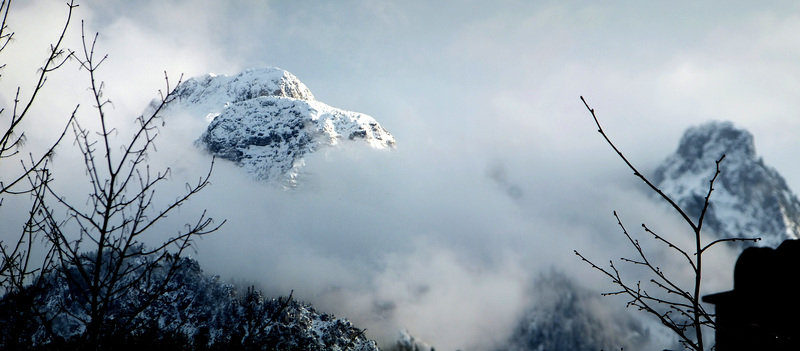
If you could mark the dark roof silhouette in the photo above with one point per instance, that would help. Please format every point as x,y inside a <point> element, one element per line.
<point>761,312</point>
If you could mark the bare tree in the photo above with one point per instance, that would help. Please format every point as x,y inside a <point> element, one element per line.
<point>15,259</point>
<point>677,307</point>
<point>12,138</point>
<point>99,249</point>
<point>24,174</point>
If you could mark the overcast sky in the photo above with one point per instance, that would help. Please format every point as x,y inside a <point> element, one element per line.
<point>499,171</point>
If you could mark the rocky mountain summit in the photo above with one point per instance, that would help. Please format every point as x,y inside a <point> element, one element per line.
<point>750,199</point>
<point>266,121</point>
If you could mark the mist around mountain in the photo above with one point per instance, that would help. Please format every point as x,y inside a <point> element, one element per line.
<point>750,198</point>
<point>268,124</point>
<point>568,316</point>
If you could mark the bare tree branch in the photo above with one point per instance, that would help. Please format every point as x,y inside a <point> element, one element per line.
<point>685,302</point>
<point>106,255</point>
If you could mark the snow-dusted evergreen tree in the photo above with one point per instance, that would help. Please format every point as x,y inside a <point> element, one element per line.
<point>195,312</point>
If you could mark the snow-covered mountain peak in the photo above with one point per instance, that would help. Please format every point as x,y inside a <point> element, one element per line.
<point>266,121</point>
<point>211,93</point>
<point>749,200</point>
<point>251,83</point>
<point>714,139</point>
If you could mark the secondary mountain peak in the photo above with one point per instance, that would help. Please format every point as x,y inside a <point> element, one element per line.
<point>749,200</point>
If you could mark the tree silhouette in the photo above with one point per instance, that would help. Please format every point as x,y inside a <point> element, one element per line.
<point>16,259</point>
<point>95,245</point>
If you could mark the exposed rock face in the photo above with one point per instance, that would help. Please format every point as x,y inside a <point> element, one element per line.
<point>267,121</point>
<point>269,136</point>
<point>749,200</point>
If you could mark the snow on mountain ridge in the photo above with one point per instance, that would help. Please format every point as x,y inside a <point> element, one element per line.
<point>266,121</point>
<point>717,138</point>
<point>749,200</point>
<point>209,94</point>
<point>268,136</point>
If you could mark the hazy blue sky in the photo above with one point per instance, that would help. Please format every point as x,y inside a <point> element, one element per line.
<point>481,97</point>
